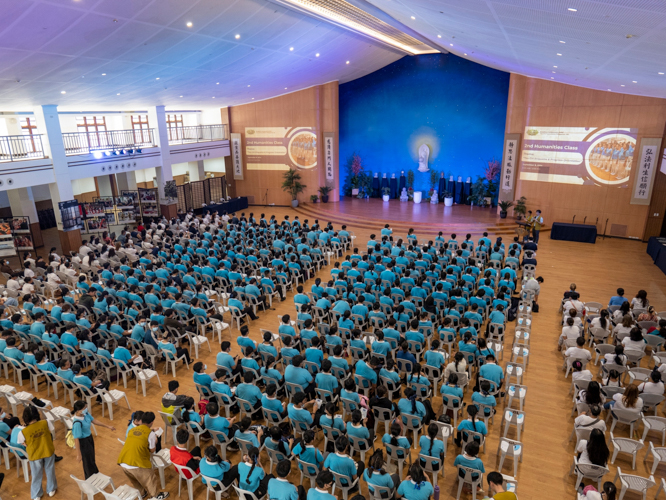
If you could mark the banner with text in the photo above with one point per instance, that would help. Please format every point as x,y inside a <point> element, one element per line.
<point>578,155</point>
<point>237,156</point>
<point>280,148</point>
<point>646,170</point>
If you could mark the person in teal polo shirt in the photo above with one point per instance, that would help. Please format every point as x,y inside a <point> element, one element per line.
<point>280,488</point>
<point>416,487</point>
<point>81,422</point>
<point>323,483</point>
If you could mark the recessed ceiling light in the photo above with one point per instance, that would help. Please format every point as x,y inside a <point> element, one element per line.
<point>291,49</point>
<point>609,90</point>
<point>562,41</point>
<point>413,17</point>
<point>157,78</point>
<point>189,24</point>
<point>553,71</point>
<point>237,37</point>
<point>213,97</point>
<point>317,54</point>
<point>181,96</point>
<point>103,74</point>
<point>217,83</point>
<point>574,10</point>
<point>253,98</point>
<point>621,85</point>
<point>661,73</point>
<point>347,62</point>
<point>63,92</point>
<point>465,54</point>
<point>552,78</point>
<point>285,88</point>
<point>559,54</point>
<point>634,81</point>
<point>248,85</point>
<point>118,94</point>
<point>451,44</point>
<point>554,66</point>
<point>439,36</point>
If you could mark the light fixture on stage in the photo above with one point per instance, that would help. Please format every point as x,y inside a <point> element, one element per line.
<point>97,154</point>
<point>138,151</point>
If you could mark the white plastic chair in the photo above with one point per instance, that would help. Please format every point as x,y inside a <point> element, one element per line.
<point>588,471</point>
<point>145,376</point>
<point>93,485</point>
<point>123,492</point>
<point>344,488</point>
<point>515,392</point>
<point>658,454</point>
<point>110,398</point>
<point>514,418</point>
<point>161,460</point>
<point>512,449</point>
<point>215,486</point>
<point>657,424</point>
<point>181,469</point>
<point>466,478</point>
<point>630,482</point>
<point>624,417</point>
<point>21,461</point>
<point>625,445</point>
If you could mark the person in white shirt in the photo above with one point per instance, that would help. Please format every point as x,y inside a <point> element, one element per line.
<point>572,313</point>
<point>640,301</point>
<point>534,284</point>
<point>27,257</point>
<point>28,287</point>
<point>69,270</point>
<point>52,278</point>
<point>84,249</point>
<point>629,401</point>
<point>13,284</point>
<point>603,321</point>
<point>591,421</point>
<point>27,272</point>
<point>569,332</point>
<point>618,357</point>
<point>573,303</point>
<point>624,328</point>
<point>579,351</point>
<point>578,372</point>
<point>594,452</point>
<point>75,258</point>
<point>635,340</point>
<point>654,385</point>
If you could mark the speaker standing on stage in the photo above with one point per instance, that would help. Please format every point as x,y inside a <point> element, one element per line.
<point>537,224</point>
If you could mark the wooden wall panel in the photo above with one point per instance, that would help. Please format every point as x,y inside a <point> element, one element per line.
<point>313,107</point>
<point>545,103</point>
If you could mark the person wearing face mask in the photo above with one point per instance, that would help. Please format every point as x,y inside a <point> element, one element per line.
<point>85,450</point>
<point>139,330</point>
<point>152,334</point>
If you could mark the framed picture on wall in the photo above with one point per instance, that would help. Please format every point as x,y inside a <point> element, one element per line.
<point>23,242</point>
<point>7,247</point>
<point>21,225</point>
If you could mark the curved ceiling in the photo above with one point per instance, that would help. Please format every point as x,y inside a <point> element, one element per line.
<point>129,54</point>
<point>615,45</point>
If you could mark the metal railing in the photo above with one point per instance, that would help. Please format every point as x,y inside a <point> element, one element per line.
<point>109,140</point>
<point>197,133</point>
<point>21,147</point>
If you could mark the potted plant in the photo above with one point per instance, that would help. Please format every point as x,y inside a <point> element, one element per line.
<point>477,194</point>
<point>520,208</point>
<point>386,192</point>
<point>323,191</point>
<point>492,172</point>
<point>504,207</point>
<point>291,183</point>
<point>314,198</point>
<point>448,198</point>
<point>410,184</point>
<point>356,170</point>
<point>364,185</point>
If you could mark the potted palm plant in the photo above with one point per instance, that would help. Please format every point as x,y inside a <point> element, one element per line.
<point>323,191</point>
<point>292,184</point>
<point>504,207</point>
<point>448,198</point>
<point>386,191</point>
<point>521,208</point>
<point>314,198</point>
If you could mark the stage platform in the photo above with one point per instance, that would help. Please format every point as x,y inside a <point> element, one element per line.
<point>426,219</point>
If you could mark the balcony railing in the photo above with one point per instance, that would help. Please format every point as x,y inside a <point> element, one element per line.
<point>198,133</point>
<point>77,143</point>
<point>21,147</point>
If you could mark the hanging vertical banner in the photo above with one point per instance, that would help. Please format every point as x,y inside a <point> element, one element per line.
<point>509,166</point>
<point>237,156</point>
<point>329,155</point>
<point>645,171</point>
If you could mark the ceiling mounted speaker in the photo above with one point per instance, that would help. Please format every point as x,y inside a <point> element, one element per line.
<point>103,169</point>
<point>10,181</point>
<point>2,182</point>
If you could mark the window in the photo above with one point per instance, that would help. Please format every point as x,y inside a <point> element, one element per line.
<point>95,128</point>
<point>141,129</point>
<point>27,127</point>
<point>175,125</point>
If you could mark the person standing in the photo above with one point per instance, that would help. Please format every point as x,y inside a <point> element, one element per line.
<point>85,451</point>
<point>537,224</point>
<point>135,457</point>
<point>38,441</point>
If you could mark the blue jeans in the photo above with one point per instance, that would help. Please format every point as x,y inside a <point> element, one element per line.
<point>37,467</point>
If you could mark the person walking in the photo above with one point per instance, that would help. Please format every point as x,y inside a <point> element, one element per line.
<point>85,451</point>
<point>537,224</point>
<point>135,457</point>
<point>38,441</point>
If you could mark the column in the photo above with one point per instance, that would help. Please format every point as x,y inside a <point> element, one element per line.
<point>104,185</point>
<point>22,202</point>
<point>196,170</point>
<point>61,189</point>
<point>126,181</point>
<point>157,119</point>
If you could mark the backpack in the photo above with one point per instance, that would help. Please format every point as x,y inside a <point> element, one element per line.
<point>202,407</point>
<point>69,437</point>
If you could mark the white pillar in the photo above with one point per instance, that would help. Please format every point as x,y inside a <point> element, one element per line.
<point>54,147</point>
<point>202,170</point>
<point>126,181</point>
<point>157,120</point>
<point>196,170</point>
<point>22,202</point>
<point>13,125</point>
<point>104,185</point>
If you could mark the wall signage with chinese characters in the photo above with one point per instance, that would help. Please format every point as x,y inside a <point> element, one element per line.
<point>509,167</point>
<point>329,155</point>
<point>645,171</point>
<point>237,156</point>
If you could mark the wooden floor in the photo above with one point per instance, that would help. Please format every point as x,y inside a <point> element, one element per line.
<point>597,269</point>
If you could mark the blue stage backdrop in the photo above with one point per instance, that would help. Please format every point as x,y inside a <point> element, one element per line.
<point>455,106</point>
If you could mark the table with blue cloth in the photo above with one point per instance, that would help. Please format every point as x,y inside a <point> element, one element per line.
<point>231,206</point>
<point>583,233</point>
<point>656,249</point>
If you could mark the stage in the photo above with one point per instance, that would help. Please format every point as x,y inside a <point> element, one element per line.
<point>426,219</point>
